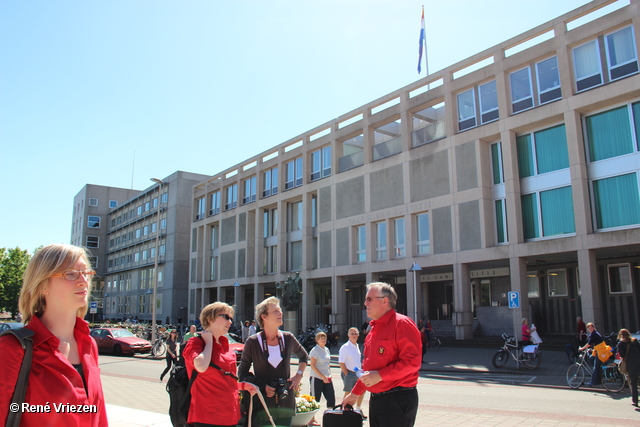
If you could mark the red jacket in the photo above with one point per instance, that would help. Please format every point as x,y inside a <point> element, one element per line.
<point>214,396</point>
<point>53,382</point>
<point>392,348</point>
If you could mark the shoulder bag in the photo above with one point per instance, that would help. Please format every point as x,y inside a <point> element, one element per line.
<point>23,335</point>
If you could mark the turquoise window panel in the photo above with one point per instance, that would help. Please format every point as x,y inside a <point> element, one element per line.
<point>525,157</point>
<point>530,216</point>
<point>617,202</point>
<point>609,134</point>
<point>551,149</point>
<point>557,211</point>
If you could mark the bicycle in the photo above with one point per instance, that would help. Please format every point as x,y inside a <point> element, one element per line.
<point>612,380</point>
<point>530,356</point>
<point>434,343</point>
<point>159,348</point>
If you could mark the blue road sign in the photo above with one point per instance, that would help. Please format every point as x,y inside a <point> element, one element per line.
<point>93,304</point>
<point>514,299</point>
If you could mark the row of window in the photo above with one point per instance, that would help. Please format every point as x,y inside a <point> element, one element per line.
<point>123,282</point>
<point>122,304</point>
<point>122,261</point>
<point>93,201</point>
<point>138,233</point>
<point>139,210</point>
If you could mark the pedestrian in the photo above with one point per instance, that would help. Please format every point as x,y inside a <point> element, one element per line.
<point>581,331</point>
<point>64,368</point>
<point>245,330</point>
<point>629,349</point>
<point>320,376</point>
<point>192,333</point>
<point>252,328</point>
<point>526,332</point>
<point>349,359</point>
<point>593,340</point>
<point>269,352</point>
<point>392,359</point>
<point>214,395</point>
<point>172,352</point>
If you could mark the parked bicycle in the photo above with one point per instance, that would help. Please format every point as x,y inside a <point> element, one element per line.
<point>529,356</point>
<point>159,347</point>
<point>612,380</point>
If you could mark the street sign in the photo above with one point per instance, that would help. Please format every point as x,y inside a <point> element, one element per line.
<point>93,307</point>
<point>514,299</point>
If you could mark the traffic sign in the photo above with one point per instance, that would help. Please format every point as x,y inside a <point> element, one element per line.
<point>93,307</point>
<point>514,300</point>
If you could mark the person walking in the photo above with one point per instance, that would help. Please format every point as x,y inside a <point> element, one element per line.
<point>269,352</point>
<point>629,349</point>
<point>172,352</point>
<point>349,359</point>
<point>245,330</point>
<point>594,339</point>
<point>320,376</point>
<point>214,395</point>
<point>64,369</point>
<point>392,359</point>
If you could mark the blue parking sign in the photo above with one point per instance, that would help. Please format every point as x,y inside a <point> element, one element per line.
<point>514,299</point>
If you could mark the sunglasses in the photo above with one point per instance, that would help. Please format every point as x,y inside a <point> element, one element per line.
<point>369,299</point>
<point>74,274</point>
<point>226,317</point>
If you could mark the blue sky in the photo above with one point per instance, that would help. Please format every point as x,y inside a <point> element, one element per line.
<point>200,85</point>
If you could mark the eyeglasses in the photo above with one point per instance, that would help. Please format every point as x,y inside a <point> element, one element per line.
<point>74,274</point>
<point>226,317</point>
<point>369,299</point>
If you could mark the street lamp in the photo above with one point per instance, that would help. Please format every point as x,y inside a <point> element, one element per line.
<point>155,266</point>
<point>415,268</point>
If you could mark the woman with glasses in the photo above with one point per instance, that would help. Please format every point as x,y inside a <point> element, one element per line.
<point>270,354</point>
<point>172,352</point>
<point>214,394</point>
<point>64,368</point>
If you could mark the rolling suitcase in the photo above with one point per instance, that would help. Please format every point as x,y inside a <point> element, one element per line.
<point>337,417</point>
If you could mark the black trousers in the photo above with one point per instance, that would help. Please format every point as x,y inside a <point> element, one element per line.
<point>397,409</point>
<point>319,387</point>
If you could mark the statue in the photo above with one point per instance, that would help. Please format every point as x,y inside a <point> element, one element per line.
<point>289,292</point>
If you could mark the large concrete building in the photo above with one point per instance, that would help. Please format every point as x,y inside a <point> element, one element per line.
<point>139,232</point>
<point>515,170</point>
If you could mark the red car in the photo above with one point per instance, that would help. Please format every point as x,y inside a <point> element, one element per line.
<point>235,346</point>
<point>119,341</point>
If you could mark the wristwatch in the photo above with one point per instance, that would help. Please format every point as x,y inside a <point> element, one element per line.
<point>300,372</point>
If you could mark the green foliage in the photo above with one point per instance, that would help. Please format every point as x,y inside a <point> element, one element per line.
<point>13,262</point>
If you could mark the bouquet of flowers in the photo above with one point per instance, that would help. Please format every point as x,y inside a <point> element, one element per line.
<point>306,403</point>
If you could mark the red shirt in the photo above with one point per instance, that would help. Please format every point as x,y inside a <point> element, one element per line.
<point>53,380</point>
<point>214,396</point>
<point>392,348</point>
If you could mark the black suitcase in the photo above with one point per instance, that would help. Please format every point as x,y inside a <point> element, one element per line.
<point>337,417</point>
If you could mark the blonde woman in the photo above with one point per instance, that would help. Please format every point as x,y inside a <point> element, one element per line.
<point>629,349</point>
<point>64,370</point>
<point>321,381</point>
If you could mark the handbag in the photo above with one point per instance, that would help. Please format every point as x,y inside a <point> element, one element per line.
<point>24,336</point>
<point>622,367</point>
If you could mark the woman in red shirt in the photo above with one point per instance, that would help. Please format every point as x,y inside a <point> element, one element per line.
<point>214,395</point>
<point>64,387</point>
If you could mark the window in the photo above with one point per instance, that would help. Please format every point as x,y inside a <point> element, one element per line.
<point>136,257</point>
<point>321,163</point>
<point>521,91</point>
<point>93,221</point>
<point>294,174</point>
<point>586,63</point>
<point>113,204</point>
<point>557,282</point>
<point>139,210</point>
<point>154,226</point>
<point>488,102</point>
<point>548,80</point>
<point>93,201</point>
<point>617,201</point>
<point>232,197</point>
<point>501,221</point>
<point>548,213</point>
<point>215,236</point>
<point>496,163</point>
<point>381,240</point>
<point>194,270</point>
<point>621,53</point>
<point>620,279</point>
<point>295,216</point>
<point>428,125</point>
<point>147,206</point>
<point>93,241</point>
<point>399,248</point>
<point>604,142</point>
<point>164,198</point>
<point>215,203</point>
<point>213,275</point>
<point>361,244</point>
<point>270,222</point>
<point>295,256</point>
<point>200,208</point>
<point>194,240</point>
<point>466,110</point>
<point>154,202</point>
<point>145,230</point>
<point>270,182</point>
<point>163,223</point>
<point>249,190</point>
<point>533,287</point>
<point>423,239</point>
<point>314,211</point>
<point>387,140</point>
<point>543,151</point>
<point>270,259</point>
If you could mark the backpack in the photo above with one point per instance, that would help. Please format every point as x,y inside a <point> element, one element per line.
<point>179,389</point>
<point>24,336</point>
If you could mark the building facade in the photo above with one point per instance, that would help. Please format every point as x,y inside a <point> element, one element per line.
<point>515,170</point>
<point>145,233</point>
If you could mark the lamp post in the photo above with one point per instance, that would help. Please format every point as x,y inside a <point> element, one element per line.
<point>155,265</point>
<point>415,268</point>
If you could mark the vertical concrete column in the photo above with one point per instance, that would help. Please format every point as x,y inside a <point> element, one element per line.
<point>306,299</point>
<point>579,177</point>
<point>462,313</point>
<point>282,237</point>
<point>239,303</point>
<point>339,304</point>
<point>258,294</point>
<point>518,270</point>
<point>406,126</point>
<point>512,187</point>
<point>589,287</point>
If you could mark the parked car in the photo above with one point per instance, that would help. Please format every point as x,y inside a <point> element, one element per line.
<point>238,347</point>
<point>119,341</point>
<point>4,326</point>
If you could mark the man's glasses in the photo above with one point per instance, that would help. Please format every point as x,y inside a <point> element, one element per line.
<point>74,274</point>
<point>226,317</point>
<point>369,299</point>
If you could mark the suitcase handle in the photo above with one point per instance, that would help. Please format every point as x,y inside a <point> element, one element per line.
<point>346,407</point>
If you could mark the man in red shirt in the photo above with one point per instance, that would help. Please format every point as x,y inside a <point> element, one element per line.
<point>392,358</point>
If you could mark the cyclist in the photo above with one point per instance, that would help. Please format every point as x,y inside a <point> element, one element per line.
<point>594,339</point>
<point>526,332</point>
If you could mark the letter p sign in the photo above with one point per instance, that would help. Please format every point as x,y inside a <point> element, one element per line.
<point>514,299</point>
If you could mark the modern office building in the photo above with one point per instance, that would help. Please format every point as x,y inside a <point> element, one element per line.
<point>148,230</point>
<point>515,170</point>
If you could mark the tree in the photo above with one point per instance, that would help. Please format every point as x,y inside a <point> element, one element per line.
<point>13,263</point>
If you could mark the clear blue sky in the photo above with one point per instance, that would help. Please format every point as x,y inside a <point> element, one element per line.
<point>200,85</point>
